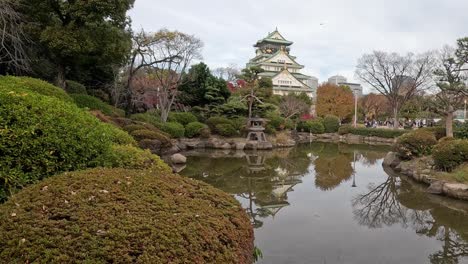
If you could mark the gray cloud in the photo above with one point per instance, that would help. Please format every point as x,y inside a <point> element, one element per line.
<point>351,28</point>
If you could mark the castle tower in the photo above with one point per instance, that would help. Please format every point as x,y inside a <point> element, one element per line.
<point>273,56</point>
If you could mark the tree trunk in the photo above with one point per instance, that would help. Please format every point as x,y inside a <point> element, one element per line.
<point>396,123</point>
<point>164,114</point>
<point>61,80</point>
<point>449,124</point>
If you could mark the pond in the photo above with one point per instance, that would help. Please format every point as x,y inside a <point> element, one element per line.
<point>335,203</point>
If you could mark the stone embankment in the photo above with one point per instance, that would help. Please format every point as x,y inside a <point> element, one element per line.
<point>421,170</point>
<point>286,140</point>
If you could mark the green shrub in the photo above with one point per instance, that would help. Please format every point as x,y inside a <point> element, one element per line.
<point>439,132</point>
<point>312,126</point>
<point>415,144</point>
<point>270,130</point>
<point>345,129</point>
<point>193,129</point>
<point>225,130</point>
<point>182,117</point>
<point>174,129</point>
<point>461,131</point>
<point>24,84</point>
<point>276,120</point>
<point>212,122</point>
<point>149,134</point>
<point>98,93</point>
<point>118,136</point>
<point>42,135</point>
<point>133,127</point>
<point>205,132</point>
<point>92,103</point>
<point>131,157</point>
<point>331,123</point>
<point>377,132</point>
<point>147,117</point>
<point>239,123</point>
<point>75,88</point>
<point>124,216</point>
<point>450,154</point>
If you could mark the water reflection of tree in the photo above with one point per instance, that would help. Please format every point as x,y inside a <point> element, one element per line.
<point>395,201</point>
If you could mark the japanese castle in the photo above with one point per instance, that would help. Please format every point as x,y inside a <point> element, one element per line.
<point>272,55</point>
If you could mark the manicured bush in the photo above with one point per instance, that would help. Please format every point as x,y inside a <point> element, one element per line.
<point>93,103</point>
<point>450,154</point>
<point>133,127</point>
<point>439,132</point>
<point>42,135</point>
<point>331,124</point>
<point>276,120</point>
<point>193,129</point>
<point>415,144</point>
<point>312,126</point>
<point>225,130</point>
<point>212,122</point>
<point>75,87</point>
<point>461,131</point>
<point>345,129</point>
<point>147,117</point>
<point>24,84</point>
<point>149,134</point>
<point>377,132</point>
<point>182,117</point>
<point>99,94</point>
<point>124,216</point>
<point>205,132</point>
<point>131,157</point>
<point>176,130</point>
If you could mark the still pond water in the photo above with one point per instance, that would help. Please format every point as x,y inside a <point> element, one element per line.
<point>329,203</point>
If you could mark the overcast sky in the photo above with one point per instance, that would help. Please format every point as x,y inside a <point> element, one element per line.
<point>350,28</point>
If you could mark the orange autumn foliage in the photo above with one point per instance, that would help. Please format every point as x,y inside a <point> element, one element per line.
<point>334,100</point>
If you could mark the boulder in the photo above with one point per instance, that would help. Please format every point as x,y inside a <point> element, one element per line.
<point>178,159</point>
<point>436,187</point>
<point>391,160</point>
<point>240,145</point>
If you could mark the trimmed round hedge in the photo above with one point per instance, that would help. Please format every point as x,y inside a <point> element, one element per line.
<point>124,216</point>
<point>312,126</point>
<point>42,135</point>
<point>193,129</point>
<point>449,153</point>
<point>415,144</point>
<point>182,117</point>
<point>331,123</point>
<point>25,84</point>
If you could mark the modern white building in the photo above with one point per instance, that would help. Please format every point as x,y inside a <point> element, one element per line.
<point>272,55</point>
<point>341,80</point>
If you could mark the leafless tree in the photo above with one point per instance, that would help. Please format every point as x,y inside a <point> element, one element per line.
<point>396,77</point>
<point>168,54</point>
<point>229,73</point>
<point>13,40</point>
<point>451,86</point>
<point>291,106</point>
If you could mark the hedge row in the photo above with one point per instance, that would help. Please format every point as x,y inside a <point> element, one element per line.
<point>371,132</point>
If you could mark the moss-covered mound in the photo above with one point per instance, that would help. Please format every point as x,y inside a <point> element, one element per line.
<point>123,216</point>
